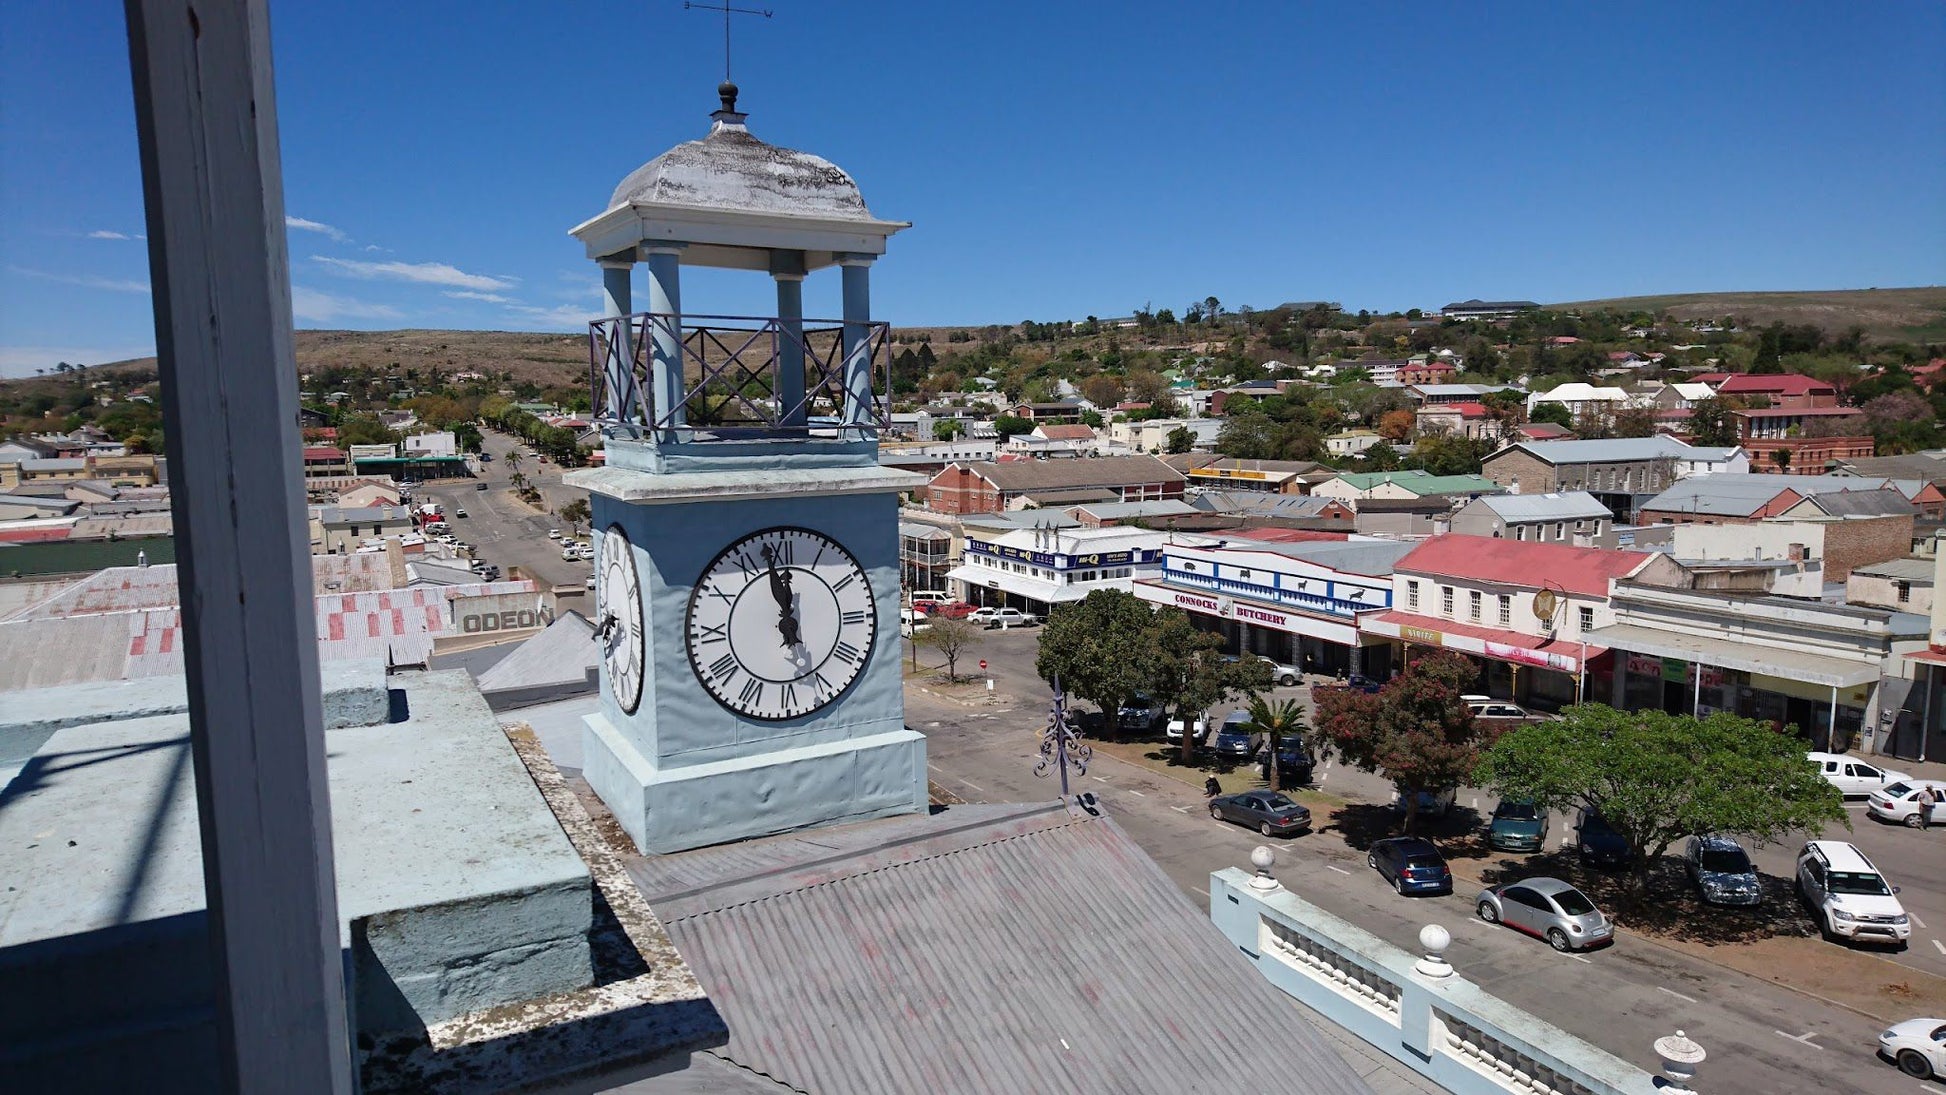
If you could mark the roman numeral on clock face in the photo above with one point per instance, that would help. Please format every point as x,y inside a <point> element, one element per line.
<point>723,667</point>
<point>752,694</point>
<point>851,618</point>
<point>846,653</point>
<point>714,633</point>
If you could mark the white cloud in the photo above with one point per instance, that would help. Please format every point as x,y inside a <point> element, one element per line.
<point>376,247</point>
<point>336,235</point>
<point>23,360</point>
<point>86,281</point>
<point>568,316</point>
<point>105,234</point>
<point>316,307</point>
<point>420,273</point>
<point>490,298</point>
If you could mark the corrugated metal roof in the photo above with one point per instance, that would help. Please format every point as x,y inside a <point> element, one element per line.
<point>1744,493</point>
<point>562,653</point>
<point>1906,570</point>
<point>1565,505</point>
<point>1609,450</point>
<point>958,952</point>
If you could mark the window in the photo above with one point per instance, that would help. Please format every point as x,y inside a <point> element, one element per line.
<point>1473,605</point>
<point>1446,600</point>
<point>1904,589</point>
<point>1412,595</point>
<point>1587,620</point>
<point>1520,532</point>
<point>1560,530</point>
<point>1506,610</point>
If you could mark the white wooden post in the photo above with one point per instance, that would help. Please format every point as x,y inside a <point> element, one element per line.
<point>207,122</point>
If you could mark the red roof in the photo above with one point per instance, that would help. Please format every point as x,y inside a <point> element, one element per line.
<point>1711,378</point>
<point>33,535</point>
<point>1563,340</point>
<point>1067,433</point>
<point>1522,563</point>
<point>1466,410</point>
<point>1797,412</point>
<point>1772,384</point>
<point>1435,366</point>
<point>1577,653</point>
<point>1286,535</point>
<point>1544,431</point>
<point>322,452</point>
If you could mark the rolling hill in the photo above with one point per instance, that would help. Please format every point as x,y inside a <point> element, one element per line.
<point>1895,315</point>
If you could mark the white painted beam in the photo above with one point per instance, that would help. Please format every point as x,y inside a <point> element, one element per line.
<point>213,185</point>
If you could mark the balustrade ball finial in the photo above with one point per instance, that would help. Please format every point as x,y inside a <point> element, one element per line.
<point>1435,940</point>
<point>1262,858</point>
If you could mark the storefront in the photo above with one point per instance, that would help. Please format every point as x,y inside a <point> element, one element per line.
<point>1035,569</point>
<point>1534,671</point>
<point>1316,644</point>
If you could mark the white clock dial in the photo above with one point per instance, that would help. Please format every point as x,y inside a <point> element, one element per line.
<point>618,619</point>
<point>781,623</point>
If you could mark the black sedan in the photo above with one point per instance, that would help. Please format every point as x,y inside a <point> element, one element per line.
<point>1411,865</point>
<point>1269,812</point>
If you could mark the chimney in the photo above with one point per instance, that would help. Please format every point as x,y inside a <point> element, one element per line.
<point>1798,553</point>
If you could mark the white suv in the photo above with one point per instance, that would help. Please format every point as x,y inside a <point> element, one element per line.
<point>1853,777</point>
<point>1847,895</point>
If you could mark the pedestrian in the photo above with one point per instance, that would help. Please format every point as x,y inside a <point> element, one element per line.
<point>1928,799</point>
<point>1211,788</point>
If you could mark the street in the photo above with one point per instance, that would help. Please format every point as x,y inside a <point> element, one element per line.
<point>1761,1037</point>
<point>504,530</point>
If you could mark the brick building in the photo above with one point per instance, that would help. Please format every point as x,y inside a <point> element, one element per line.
<point>1621,473</point>
<point>1783,390</point>
<point>994,487</point>
<point>1803,440</point>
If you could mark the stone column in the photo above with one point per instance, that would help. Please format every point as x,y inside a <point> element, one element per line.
<point>665,338</point>
<point>788,268</point>
<point>857,271</point>
<point>619,369</point>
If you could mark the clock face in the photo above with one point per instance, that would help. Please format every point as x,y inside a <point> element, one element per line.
<point>618,619</point>
<point>781,623</point>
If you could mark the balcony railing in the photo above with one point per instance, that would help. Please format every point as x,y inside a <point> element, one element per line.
<point>734,376</point>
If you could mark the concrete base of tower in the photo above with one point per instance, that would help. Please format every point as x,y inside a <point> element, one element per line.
<point>673,809</point>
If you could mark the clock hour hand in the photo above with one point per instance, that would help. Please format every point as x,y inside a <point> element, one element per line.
<point>780,588</point>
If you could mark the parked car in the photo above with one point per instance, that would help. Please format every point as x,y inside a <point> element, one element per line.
<point>1852,777</point>
<point>1517,826</point>
<point>1002,617</point>
<point>1139,713</point>
<point>1432,803</point>
<point>569,553</point>
<point>479,486</point>
<point>1546,908</point>
<point>1721,871</point>
<point>1173,731</point>
<point>1900,802</point>
<point>459,513</point>
<point>486,458</point>
<point>1917,1046</point>
<point>554,534</point>
<point>1411,864</point>
<point>1848,896</point>
<point>929,596</point>
<point>1285,675</point>
<point>1295,764</point>
<point>1363,683</point>
<point>1598,842</point>
<point>1231,742</point>
<point>948,610</point>
<point>1498,709</point>
<point>1269,812</point>
<point>590,584</point>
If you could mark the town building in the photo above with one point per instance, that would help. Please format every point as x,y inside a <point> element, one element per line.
<point>1526,612</point>
<point>1067,410</point>
<point>1458,393</point>
<point>1621,473</point>
<point>1295,597</point>
<point>1803,440</point>
<point>339,530</point>
<point>1351,443</point>
<point>929,457</point>
<point>1904,584</point>
<point>1780,390</point>
<point>1543,431</point>
<point>1576,518</point>
<point>1432,371</point>
<point>438,443</point>
<point>1820,670</point>
<point>982,487</point>
<point>1206,471</point>
<point>1403,518</point>
<point>1735,497</point>
<point>1487,309</point>
<point>1034,569</point>
<point>1831,547</point>
<point>1582,399</point>
<point>1474,421</point>
<point>1151,435</point>
<point>1049,440</point>
<point>1355,487</point>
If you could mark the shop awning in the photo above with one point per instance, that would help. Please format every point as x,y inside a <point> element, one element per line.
<point>1934,657</point>
<point>1728,654</point>
<point>1034,589</point>
<point>1500,644</point>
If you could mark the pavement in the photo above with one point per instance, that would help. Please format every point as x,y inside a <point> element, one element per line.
<point>1762,1036</point>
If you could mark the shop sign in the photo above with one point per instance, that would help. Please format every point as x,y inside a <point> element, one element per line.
<point>1421,635</point>
<point>1057,561</point>
<point>1524,655</point>
<point>1675,670</point>
<point>1226,473</point>
<point>1642,665</point>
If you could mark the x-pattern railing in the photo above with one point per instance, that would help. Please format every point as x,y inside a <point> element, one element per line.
<point>737,362</point>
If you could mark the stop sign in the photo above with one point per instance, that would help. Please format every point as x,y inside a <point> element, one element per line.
<point>983,663</point>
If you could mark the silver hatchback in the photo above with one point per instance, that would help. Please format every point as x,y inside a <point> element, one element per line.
<point>1547,908</point>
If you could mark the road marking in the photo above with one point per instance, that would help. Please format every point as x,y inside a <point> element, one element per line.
<point>1476,802</point>
<point>1578,958</point>
<point>1940,946</point>
<point>1102,779</point>
<point>1180,809</point>
<point>1805,1038</point>
<point>1136,793</point>
<point>973,785</point>
<point>1676,994</point>
<point>1200,890</point>
<point>935,767</point>
<point>1916,920</point>
<point>1287,847</point>
<point>1340,870</point>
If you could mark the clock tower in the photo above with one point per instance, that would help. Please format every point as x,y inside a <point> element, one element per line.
<point>747,587</point>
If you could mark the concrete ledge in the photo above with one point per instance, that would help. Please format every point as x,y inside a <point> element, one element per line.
<point>646,488</point>
<point>674,809</point>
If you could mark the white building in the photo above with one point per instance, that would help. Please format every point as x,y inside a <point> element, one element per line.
<point>1351,442</point>
<point>443,443</point>
<point>1707,460</point>
<point>1579,398</point>
<point>1034,569</point>
<point>1152,435</point>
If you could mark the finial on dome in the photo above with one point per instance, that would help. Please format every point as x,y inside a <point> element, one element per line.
<point>727,115</point>
<point>727,91</point>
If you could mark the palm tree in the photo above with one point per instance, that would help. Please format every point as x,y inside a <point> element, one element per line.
<point>513,461</point>
<point>1273,719</point>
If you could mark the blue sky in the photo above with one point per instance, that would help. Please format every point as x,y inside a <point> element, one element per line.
<point>1058,160</point>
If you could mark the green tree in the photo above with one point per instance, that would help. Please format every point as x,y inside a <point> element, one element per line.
<point>1711,423</point>
<point>1189,675</point>
<point>1248,435</point>
<point>1415,730</point>
<point>1181,439</point>
<point>1634,422</point>
<point>947,429</point>
<point>1102,390</point>
<point>1098,646</point>
<point>1008,425</point>
<point>1274,719</point>
<point>575,513</point>
<point>1658,777</point>
<point>1557,413</point>
<point>952,638</point>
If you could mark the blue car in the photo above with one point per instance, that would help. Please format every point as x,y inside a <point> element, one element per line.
<point>1411,864</point>
<point>1598,842</point>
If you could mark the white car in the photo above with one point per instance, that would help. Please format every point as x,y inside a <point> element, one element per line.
<point>1900,802</point>
<point>1855,778</point>
<point>1280,673</point>
<point>1917,1046</point>
<point>1001,617</point>
<point>1174,730</point>
<point>1849,899</point>
<point>554,534</point>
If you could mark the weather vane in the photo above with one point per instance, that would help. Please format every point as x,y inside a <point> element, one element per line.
<point>1061,745</point>
<point>727,11</point>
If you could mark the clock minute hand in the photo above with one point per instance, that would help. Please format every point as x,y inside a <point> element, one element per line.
<point>780,588</point>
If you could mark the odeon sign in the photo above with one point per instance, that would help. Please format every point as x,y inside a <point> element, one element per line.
<point>510,620</point>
